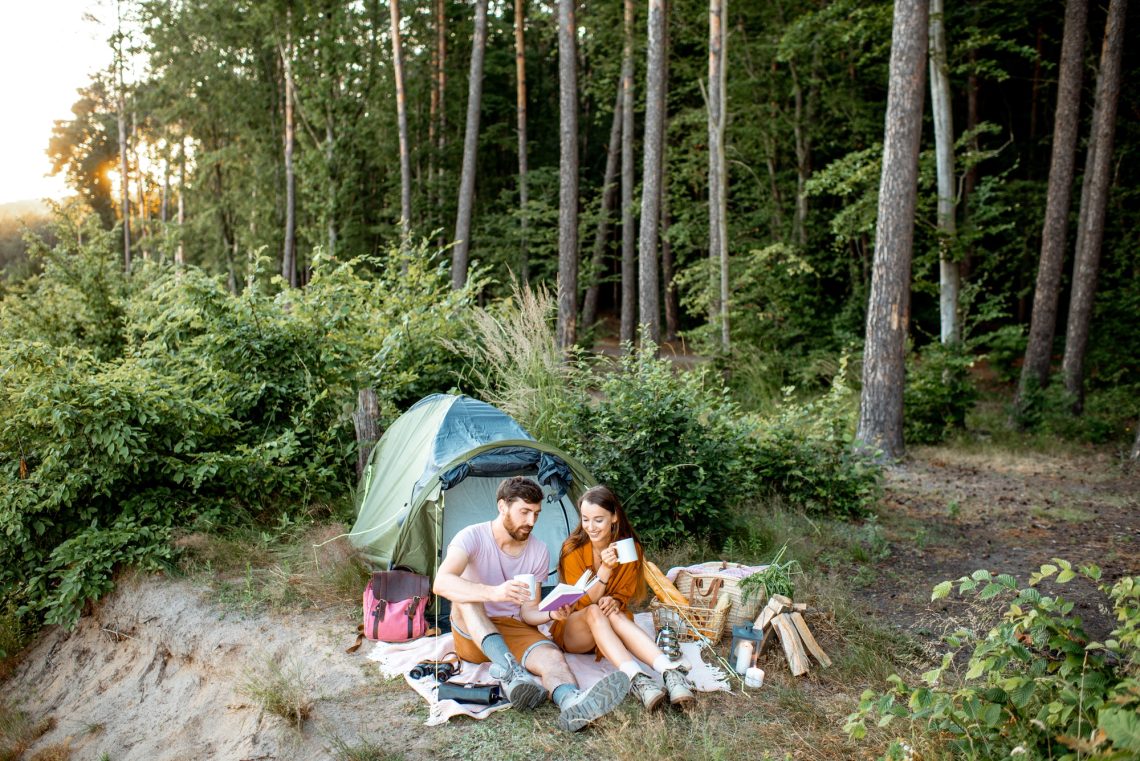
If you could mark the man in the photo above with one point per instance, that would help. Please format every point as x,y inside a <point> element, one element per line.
<point>494,618</point>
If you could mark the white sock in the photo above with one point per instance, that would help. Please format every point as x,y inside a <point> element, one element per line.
<point>630,669</point>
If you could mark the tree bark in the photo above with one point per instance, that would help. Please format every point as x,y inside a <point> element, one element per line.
<point>568,175</point>
<point>460,252</point>
<point>402,125</point>
<point>1094,204</point>
<point>948,273</point>
<point>289,252</point>
<point>718,233</point>
<point>1135,456</point>
<point>649,292</point>
<point>180,250</point>
<point>1043,322</point>
<point>365,419</point>
<point>888,311</point>
<point>520,114</point>
<point>440,142</point>
<point>124,170</point>
<point>628,235</point>
<point>602,233</point>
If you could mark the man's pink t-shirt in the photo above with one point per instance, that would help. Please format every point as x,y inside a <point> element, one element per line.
<point>488,564</point>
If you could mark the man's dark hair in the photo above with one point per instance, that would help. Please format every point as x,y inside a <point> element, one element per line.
<point>519,487</point>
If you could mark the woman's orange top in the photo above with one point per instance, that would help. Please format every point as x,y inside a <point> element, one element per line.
<point>625,585</point>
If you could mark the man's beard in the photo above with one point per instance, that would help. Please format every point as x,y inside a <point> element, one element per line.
<point>518,533</point>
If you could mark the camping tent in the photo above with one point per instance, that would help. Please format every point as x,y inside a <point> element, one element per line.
<point>436,469</point>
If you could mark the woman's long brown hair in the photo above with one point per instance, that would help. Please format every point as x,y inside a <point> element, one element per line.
<point>604,498</point>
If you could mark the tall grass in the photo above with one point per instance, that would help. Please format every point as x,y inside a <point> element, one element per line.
<point>515,361</point>
<point>280,689</point>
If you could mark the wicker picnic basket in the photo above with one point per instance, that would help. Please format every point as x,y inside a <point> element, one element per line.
<point>691,623</point>
<point>699,585</point>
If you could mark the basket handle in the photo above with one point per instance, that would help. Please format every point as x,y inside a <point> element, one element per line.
<point>714,586</point>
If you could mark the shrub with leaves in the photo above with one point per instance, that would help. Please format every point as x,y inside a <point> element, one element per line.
<point>213,407</point>
<point>1034,686</point>
<point>938,392</point>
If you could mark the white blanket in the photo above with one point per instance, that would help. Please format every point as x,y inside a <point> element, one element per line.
<point>398,659</point>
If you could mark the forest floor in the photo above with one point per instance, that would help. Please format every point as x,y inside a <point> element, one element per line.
<point>188,666</point>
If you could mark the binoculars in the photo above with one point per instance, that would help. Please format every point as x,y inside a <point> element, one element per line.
<point>441,672</point>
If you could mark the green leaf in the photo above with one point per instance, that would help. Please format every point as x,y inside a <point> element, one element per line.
<point>1122,727</point>
<point>942,590</point>
<point>1066,576</point>
<point>991,590</point>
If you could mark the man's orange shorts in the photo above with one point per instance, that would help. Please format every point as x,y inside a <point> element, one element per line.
<point>520,638</point>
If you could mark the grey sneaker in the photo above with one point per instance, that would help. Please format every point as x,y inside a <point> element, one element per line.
<point>647,691</point>
<point>587,706</point>
<point>678,686</point>
<point>519,687</point>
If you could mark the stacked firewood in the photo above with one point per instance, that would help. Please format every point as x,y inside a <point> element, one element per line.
<point>786,619</point>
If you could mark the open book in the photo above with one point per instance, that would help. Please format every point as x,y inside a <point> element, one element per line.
<point>566,594</point>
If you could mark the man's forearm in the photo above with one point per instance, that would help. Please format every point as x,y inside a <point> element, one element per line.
<point>459,589</point>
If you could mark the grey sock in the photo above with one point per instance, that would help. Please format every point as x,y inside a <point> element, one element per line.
<point>562,692</point>
<point>495,648</point>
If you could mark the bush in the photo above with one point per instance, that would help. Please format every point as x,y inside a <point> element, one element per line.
<point>938,392</point>
<point>1034,685</point>
<point>193,406</point>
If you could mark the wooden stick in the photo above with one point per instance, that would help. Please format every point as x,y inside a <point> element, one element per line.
<point>806,635</point>
<point>776,605</point>
<point>793,648</point>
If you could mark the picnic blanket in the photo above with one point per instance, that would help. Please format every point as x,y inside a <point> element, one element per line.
<point>398,659</point>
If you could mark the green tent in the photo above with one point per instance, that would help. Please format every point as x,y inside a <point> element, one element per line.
<point>436,470</point>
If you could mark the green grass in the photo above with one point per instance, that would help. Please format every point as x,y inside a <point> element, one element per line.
<point>283,690</point>
<point>18,731</point>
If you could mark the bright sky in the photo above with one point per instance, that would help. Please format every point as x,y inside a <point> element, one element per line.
<point>47,51</point>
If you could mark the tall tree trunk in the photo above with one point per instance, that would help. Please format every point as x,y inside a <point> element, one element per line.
<point>331,188</point>
<point>459,256</point>
<point>289,254</point>
<point>180,251</point>
<point>1135,455</point>
<point>718,234</point>
<point>124,170</point>
<point>1094,204</point>
<point>628,234</point>
<point>672,308</point>
<point>520,115</point>
<point>365,418</point>
<point>948,274</point>
<point>888,310</point>
<point>602,233</point>
<point>970,181</point>
<point>441,86</point>
<point>402,125</point>
<point>1039,350</point>
<point>568,175</point>
<point>649,293</point>
<point>799,132</point>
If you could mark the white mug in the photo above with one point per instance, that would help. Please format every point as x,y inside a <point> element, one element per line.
<point>528,579</point>
<point>627,550</point>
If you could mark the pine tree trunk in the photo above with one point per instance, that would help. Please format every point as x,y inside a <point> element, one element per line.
<point>520,113</point>
<point>440,142</point>
<point>402,125</point>
<point>1094,204</point>
<point>601,235</point>
<point>124,170</point>
<point>628,234</point>
<point>888,310</point>
<point>289,252</point>
<point>718,243</point>
<point>180,250</point>
<point>568,175</point>
<point>1039,350</point>
<point>460,252</point>
<point>948,276</point>
<point>648,290</point>
<point>365,418</point>
<point>1135,456</point>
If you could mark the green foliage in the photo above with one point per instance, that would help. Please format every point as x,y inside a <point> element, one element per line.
<point>803,452</point>
<point>776,579</point>
<point>177,403</point>
<point>671,444</point>
<point>938,393</point>
<point>1034,685</point>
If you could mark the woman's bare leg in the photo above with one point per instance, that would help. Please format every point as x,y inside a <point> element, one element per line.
<point>590,628</point>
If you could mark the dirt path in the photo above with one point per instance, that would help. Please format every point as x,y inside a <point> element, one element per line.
<point>949,512</point>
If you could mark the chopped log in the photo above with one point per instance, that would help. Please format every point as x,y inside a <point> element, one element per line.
<point>809,640</point>
<point>793,648</point>
<point>800,606</point>
<point>777,604</point>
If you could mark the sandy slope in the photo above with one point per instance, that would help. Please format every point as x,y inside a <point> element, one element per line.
<point>155,672</point>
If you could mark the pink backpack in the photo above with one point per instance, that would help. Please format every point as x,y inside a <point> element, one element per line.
<point>395,606</point>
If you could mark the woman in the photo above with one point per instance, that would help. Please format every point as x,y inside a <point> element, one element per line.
<point>601,619</point>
